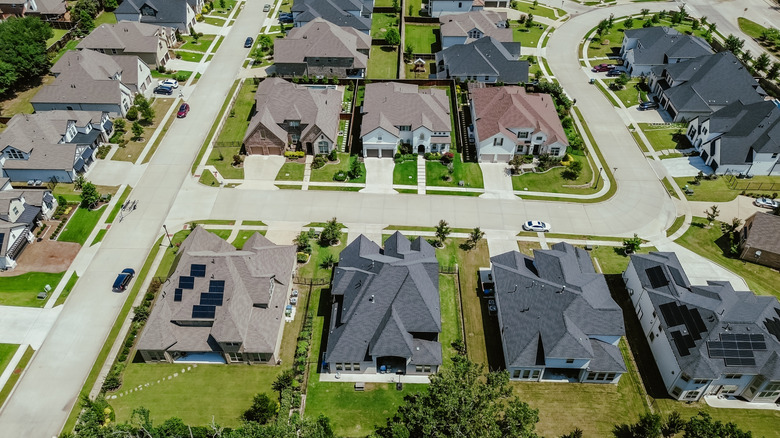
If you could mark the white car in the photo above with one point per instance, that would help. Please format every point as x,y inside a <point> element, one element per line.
<point>766,203</point>
<point>173,83</point>
<point>536,226</point>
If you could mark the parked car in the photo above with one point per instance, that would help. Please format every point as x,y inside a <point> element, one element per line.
<point>248,42</point>
<point>614,72</point>
<point>536,226</point>
<point>266,8</point>
<point>648,105</point>
<point>173,83</point>
<point>285,18</point>
<point>603,67</point>
<point>183,110</point>
<point>123,279</point>
<point>163,89</point>
<point>767,203</point>
<point>492,308</point>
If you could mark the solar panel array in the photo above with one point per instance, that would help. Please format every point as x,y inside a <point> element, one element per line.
<point>217,286</point>
<point>203,311</point>
<point>737,349</point>
<point>186,282</point>
<point>773,325</point>
<point>657,277</point>
<point>211,299</point>
<point>177,294</point>
<point>680,315</point>
<point>198,270</point>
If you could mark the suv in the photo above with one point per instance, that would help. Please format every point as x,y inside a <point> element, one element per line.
<point>123,279</point>
<point>648,105</point>
<point>163,89</point>
<point>614,72</point>
<point>248,42</point>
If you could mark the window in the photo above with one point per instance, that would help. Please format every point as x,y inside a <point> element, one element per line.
<point>630,291</point>
<point>640,314</point>
<point>516,374</point>
<point>676,392</point>
<point>404,128</point>
<point>522,134</point>
<point>347,367</point>
<point>535,374</point>
<point>294,138</point>
<point>323,146</point>
<point>235,357</point>
<point>733,376</point>
<point>774,155</point>
<point>355,367</point>
<point>700,381</point>
<point>555,151</point>
<point>157,356</point>
<point>539,138</point>
<point>422,136</point>
<point>569,360</point>
<point>427,368</point>
<point>692,395</point>
<point>774,386</point>
<point>685,378</point>
<point>729,389</point>
<point>652,336</point>
<point>418,368</point>
<point>610,376</point>
<point>526,374</point>
<point>14,154</point>
<point>498,141</point>
<point>519,149</point>
<point>339,367</point>
<point>295,123</point>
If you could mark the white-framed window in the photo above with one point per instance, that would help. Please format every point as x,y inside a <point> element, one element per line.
<point>700,381</point>
<point>426,368</point>
<point>516,374</point>
<point>555,151</point>
<point>498,141</point>
<point>235,356</point>
<point>356,367</point>
<point>691,395</point>
<point>14,154</point>
<point>535,374</point>
<point>405,128</point>
<point>676,391</point>
<point>418,368</point>
<point>323,147</point>
<point>347,367</point>
<point>422,136</point>
<point>733,376</point>
<point>526,374</point>
<point>539,138</point>
<point>339,367</point>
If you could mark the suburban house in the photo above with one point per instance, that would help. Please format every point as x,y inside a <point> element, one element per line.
<point>647,47</point>
<point>136,75</point>
<point>179,14</point>
<point>343,13</point>
<point>703,85</point>
<point>221,304</point>
<point>20,211</point>
<point>556,316</point>
<point>86,80</point>
<point>706,339</point>
<point>739,138</point>
<point>290,117</point>
<point>385,315</point>
<point>395,113</point>
<point>52,145</point>
<point>484,60</point>
<point>46,10</point>
<point>507,121</point>
<point>471,26</point>
<point>760,240</point>
<point>438,8</point>
<point>149,42</point>
<point>322,49</point>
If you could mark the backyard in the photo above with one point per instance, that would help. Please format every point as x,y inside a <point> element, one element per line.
<point>423,37</point>
<point>382,22</point>
<point>383,62</point>
<point>469,173</point>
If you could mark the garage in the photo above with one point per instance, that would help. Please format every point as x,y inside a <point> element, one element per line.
<point>372,153</point>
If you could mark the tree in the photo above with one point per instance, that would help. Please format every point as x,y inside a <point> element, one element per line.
<point>576,433</point>
<point>409,52</point>
<point>89,195</point>
<point>573,171</point>
<point>355,170</point>
<point>144,107</point>
<point>712,214</point>
<point>330,233</point>
<point>731,227</point>
<point>265,42</point>
<point>702,426</point>
<point>110,5</point>
<point>516,162</point>
<point>328,262</point>
<point>396,6</point>
<point>263,409</point>
<point>23,57</point>
<point>442,231</point>
<point>138,130</point>
<point>621,81</point>
<point>132,113</point>
<point>85,11</point>
<point>628,23</point>
<point>673,425</point>
<point>733,43</point>
<point>529,20</point>
<point>303,242</point>
<point>222,4</point>
<point>474,237</point>
<point>463,400</point>
<point>746,57</point>
<point>78,183</point>
<point>602,27</point>
<point>283,381</point>
<point>536,3</point>
<point>393,37</point>
<point>648,426</point>
<point>644,13</point>
<point>774,71</point>
<point>632,244</point>
<point>762,62</point>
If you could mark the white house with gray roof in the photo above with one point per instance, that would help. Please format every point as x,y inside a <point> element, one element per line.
<point>149,42</point>
<point>647,47</point>
<point>706,339</point>
<point>221,304</point>
<point>385,315</point>
<point>356,14</point>
<point>739,138</point>
<point>179,14</point>
<point>471,26</point>
<point>395,113</point>
<point>556,317</point>
<point>484,60</point>
<point>20,212</point>
<point>703,85</point>
<point>438,8</point>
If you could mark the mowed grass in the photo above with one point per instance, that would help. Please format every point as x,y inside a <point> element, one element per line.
<point>713,244</point>
<point>469,173</point>
<point>132,150</point>
<point>450,316</point>
<point>528,36</point>
<point>383,63</point>
<point>751,28</point>
<point>80,225</point>
<point>313,268</point>
<point>662,137</point>
<point>612,259</point>
<point>291,171</point>
<point>405,173</point>
<point>422,37</point>
<point>538,10</point>
<point>22,290</point>
<point>201,45</point>
<point>7,352</point>
<point>718,190</point>
<point>381,23</point>
<point>552,181</point>
<point>326,172</point>
<point>243,236</point>
<point>236,124</point>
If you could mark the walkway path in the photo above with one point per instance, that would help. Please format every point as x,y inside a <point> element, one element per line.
<point>307,172</point>
<point>420,175</point>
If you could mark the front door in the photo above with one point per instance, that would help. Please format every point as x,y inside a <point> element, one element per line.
<point>421,150</point>
<point>536,149</point>
<point>309,148</point>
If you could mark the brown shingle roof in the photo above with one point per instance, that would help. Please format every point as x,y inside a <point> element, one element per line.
<point>485,21</point>
<point>392,104</point>
<point>764,233</point>
<point>320,38</point>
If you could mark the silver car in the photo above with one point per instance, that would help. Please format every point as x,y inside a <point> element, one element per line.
<point>537,226</point>
<point>766,203</point>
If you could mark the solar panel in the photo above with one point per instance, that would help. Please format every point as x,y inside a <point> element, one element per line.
<point>177,295</point>
<point>676,276</point>
<point>217,286</point>
<point>680,342</point>
<point>740,337</point>
<point>657,277</point>
<point>211,299</point>
<point>203,311</point>
<point>198,270</point>
<point>698,322</point>
<point>186,282</point>
<point>737,349</point>
<point>671,314</point>
<point>731,362</point>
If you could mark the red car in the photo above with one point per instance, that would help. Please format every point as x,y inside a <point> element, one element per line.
<point>183,110</point>
<point>603,67</point>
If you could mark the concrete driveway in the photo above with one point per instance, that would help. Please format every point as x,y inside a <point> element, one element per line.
<point>685,166</point>
<point>262,167</point>
<point>115,173</point>
<point>379,176</point>
<point>498,181</point>
<point>648,116</point>
<point>700,270</point>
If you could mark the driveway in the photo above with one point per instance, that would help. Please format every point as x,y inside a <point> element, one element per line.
<point>686,166</point>
<point>262,167</point>
<point>648,116</point>
<point>379,175</point>
<point>115,173</point>
<point>498,181</point>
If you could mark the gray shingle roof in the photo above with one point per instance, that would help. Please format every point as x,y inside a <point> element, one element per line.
<point>657,44</point>
<point>383,297</point>
<point>487,22</point>
<point>764,232</point>
<point>723,311</point>
<point>391,104</point>
<point>484,57</point>
<point>129,36</point>
<point>553,306</point>
<point>335,11</point>
<point>322,39</point>
<point>83,76</point>
<point>167,11</point>
<point>754,126</point>
<point>256,280</point>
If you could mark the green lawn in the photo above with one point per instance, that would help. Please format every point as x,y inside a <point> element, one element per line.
<point>201,45</point>
<point>58,33</point>
<point>422,37</point>
<point>381,23</point>
<point>469,173</point>
<point>66,290</point>
<point>529,37</point>
<point>214,21</point>
<point>538,10</point>
<point>179,75</point>
<point>612,259</point>
<point>189,56</point>
<point>22,290</point>
<point>552,181</point>
<point>718,190</point>
<point>630,94</point>
<point>70,45</point>
<point>312,268</point>
<point>383,63</point>
<point>711,243</point>
<point>664,136</point>
<point>15,376</point>
<point>105,18</point>
<point>99,237</point>
<point>243,236</point>
<point>80,225</point>
<point>239,115</point>
<point>679,221</point>
<point>7,351</point>
<point>405,173</point>
<point>414,5</point>
<point>207,179</point>
<point>224,12</point>
<point>291,171</point>
<point>610,42</point>
<point>68,192</point>
<point>751,28</point>
<point>450,316</point>
<point>223,234</point>
<point>326,172</point>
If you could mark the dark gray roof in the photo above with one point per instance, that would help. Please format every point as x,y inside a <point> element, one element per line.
<point>709,82</point>
<point>746,127</point>
<point>166,11</point>
<point>484,57</point>
<point>335,11</point>
<point>716,310</point>
<point>383,299</point>
<point>553,306</point>
<point>657,44</point>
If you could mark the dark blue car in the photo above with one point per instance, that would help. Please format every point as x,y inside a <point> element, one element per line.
<point>123,279</point>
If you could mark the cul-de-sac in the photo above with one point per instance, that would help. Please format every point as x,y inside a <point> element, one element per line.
<point>389,218</point>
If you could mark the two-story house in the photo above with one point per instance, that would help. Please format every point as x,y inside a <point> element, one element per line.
<point>438,8</point>
<point>46,10</point>
<point>471,26</point>
<point>386,316</point>
<point>179,14</point>
<point>322,49</point>
<point>703,85</point>
<point>52,145</point>
<point>395,113</point>
<point>508,122</point>
<point>484,60</point>
<point>556,317</point>
<point>20,212</point>
<point>647,47</point>
<point>356,14</point>
<point>705,339</point>
<point>291,117</point>
<point>739,138</point>
<point>149,42</point>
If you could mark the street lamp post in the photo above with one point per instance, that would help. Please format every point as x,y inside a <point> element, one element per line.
<point>598,177</point>
<point>168,235</point>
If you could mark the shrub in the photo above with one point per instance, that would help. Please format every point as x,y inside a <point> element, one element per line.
<point>294,154</point>
<point>340,176</point>
<point>333,155</point>
<point>447,157</point>
<point>302,257</point>
<point>132,113</point>
<point>318,162</point>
